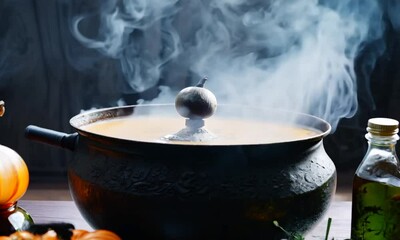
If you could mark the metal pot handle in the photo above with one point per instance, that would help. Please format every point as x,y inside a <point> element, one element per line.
<point>52,137</point>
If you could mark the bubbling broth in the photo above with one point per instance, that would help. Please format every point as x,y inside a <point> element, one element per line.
<point>228,131</point>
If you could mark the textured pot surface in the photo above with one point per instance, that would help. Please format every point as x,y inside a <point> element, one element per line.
<point>194,198</point>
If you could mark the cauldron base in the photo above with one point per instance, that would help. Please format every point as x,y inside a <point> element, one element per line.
<point>162,218</point>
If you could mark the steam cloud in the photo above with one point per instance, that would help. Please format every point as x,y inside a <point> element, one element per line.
<point>295,55</point>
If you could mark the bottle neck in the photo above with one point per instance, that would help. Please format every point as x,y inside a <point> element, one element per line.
<point>382,142</point>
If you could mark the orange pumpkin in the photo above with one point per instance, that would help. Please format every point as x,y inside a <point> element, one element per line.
<point>21,236</point>
<point>14,176</point>
<point>77,234</point>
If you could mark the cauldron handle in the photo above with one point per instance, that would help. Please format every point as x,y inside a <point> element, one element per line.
<point>51,137</point>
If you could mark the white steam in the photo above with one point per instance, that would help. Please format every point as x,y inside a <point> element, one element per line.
<point>140,60</point>
<point>295,55</point>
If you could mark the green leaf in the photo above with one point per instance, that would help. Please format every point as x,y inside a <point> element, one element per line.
<point>296,236</point>
<point>292,236</point>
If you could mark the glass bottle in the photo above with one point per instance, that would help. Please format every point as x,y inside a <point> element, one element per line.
<point>376,185</point>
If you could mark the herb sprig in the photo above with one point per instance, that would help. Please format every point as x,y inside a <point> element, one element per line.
<point>297,236</point>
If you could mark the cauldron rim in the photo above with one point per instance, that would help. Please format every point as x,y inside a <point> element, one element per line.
<point>92,116</point>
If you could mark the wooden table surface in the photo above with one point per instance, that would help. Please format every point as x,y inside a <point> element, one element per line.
<point>66,211</point>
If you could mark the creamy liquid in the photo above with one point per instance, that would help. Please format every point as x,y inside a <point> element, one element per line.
<point>228,131</point>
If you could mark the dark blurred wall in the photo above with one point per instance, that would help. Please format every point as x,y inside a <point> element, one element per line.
<point>38,83</point>
<point>41,85</point>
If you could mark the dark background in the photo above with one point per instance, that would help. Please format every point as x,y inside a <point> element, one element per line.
<point>43,82</point>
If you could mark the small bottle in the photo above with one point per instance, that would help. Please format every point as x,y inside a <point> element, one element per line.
<point>376,185</point>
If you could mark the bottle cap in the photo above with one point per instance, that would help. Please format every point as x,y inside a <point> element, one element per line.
<point>383,126</point>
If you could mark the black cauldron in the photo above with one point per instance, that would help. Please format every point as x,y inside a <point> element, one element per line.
<point>156,190</point>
